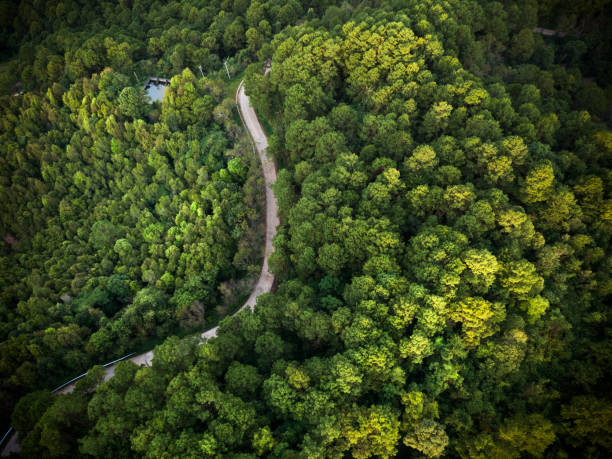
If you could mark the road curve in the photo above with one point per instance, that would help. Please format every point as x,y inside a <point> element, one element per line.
<point>266,278</point>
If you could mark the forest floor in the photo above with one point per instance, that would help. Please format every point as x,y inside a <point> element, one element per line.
<point>266,278</point>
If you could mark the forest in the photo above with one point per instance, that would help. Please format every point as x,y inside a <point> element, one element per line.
<point>443,268</point>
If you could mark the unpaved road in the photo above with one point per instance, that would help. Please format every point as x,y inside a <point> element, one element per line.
<point>266,278</point>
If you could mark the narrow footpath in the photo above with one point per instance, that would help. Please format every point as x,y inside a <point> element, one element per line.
<point>266,278</point>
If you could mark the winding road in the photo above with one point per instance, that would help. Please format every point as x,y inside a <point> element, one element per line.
<point>266,278</point>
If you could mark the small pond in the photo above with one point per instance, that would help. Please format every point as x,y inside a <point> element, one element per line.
<point>156,88</point>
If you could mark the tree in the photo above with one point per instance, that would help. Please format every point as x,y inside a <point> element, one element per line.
<point>131,102</point>
<point>331,258</point>
<point>254,40</point>
<point>263,441</point>
<point>436,119</point>
<point>482,266</point>
<point>237,167</point>
<point>368,431</point>
<point>521,279</point>
<point>535,308</point>
<point>417,347</point>
<point>255,14</point>
<point>175,355</point>
<point>423,159</point>
<point>62,424</point>
<point>429,438</point>
<point>523,46</point>
<point>532,433</point>
<point>28,410</point>
<point>478,317</point>
<point>516,149</point>
<point>243,380</point>
<point>538,183</point>
<point>123,248</point>
<point>233,37</point>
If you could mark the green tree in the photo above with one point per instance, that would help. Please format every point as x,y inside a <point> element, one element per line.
<point>368,431</point>
<point>522,46</point>
<point>28,410</point>
<point>532,434</point>
<point>131,102</point>
<point>429,438</point>
<point>538,183</point>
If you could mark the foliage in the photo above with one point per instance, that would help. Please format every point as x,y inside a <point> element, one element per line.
<point>442,264</point>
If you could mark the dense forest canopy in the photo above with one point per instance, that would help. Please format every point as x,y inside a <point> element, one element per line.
<point>443,260</point>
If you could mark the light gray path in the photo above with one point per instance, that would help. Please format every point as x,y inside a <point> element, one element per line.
<point>266,278</point>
